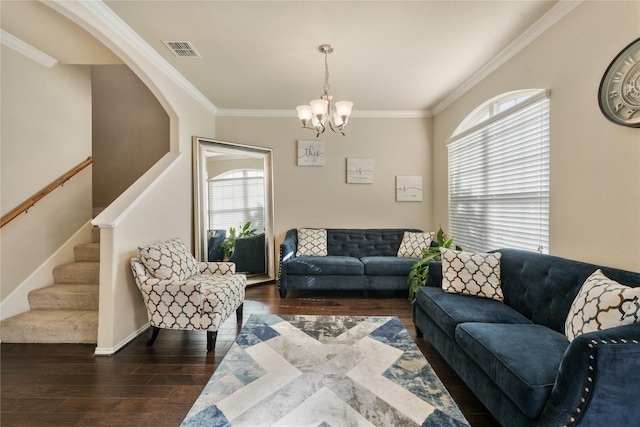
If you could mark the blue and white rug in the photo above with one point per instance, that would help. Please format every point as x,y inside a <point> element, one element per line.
<point>324,371</point>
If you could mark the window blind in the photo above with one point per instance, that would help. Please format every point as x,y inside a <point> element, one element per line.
<point>235,200</point>
<point>499,180</point>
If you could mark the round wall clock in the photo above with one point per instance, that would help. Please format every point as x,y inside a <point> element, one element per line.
<point>619,93</point>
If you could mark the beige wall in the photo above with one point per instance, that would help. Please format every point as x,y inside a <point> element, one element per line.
<point>595,165</point>
<point>130,131</point>
<point>320,196</point>
<point>46,131</point>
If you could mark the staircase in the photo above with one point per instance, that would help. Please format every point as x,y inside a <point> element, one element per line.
<point>67,310</point>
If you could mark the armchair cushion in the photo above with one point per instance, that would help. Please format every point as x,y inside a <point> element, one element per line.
<point>168,260</point>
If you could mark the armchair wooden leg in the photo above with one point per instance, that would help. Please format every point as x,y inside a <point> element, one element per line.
<point>211,340</point>
<point>239,313</point>
<point>153,335</point>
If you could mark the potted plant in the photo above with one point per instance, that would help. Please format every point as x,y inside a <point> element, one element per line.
<point>419,270</point>
<point>230,242</point>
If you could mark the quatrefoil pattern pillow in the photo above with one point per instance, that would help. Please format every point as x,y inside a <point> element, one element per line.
<point>475,274</point>
<point>413,243</point>
<point>312,242</point>
<point>602,303</point>
<point>168,260</point>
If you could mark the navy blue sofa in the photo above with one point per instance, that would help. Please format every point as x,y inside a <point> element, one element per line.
<point>357,259</point>
<point>514,355</point>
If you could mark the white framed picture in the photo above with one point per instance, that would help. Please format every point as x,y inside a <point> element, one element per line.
<point>310,153</point>
<point>409,188</point>
<point>359,170</point>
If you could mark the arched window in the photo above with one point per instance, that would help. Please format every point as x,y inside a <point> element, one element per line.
<point>236,197</point>
<point>499,174</point>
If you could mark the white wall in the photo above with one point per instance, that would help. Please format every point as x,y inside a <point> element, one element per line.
<point>159,205</point>
<point>46,131</point>
<point>320,196</point>
<point>595,165</point>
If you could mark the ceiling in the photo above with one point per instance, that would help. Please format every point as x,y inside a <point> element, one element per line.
<point>388,55</point>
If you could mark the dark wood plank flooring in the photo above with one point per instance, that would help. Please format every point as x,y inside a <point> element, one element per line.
<point>65,385</point>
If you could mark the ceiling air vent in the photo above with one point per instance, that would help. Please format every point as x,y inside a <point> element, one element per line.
<point>182,49</point>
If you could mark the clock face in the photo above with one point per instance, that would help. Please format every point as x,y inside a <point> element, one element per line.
<point>619,94</point>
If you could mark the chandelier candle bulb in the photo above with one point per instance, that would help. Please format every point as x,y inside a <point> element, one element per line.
<point>304,113</point>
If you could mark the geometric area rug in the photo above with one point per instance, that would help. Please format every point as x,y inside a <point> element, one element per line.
<point>324,371</point>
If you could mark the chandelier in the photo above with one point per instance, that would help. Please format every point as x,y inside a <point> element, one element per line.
<point>319,112</point>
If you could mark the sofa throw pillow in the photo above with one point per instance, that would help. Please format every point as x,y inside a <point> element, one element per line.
<point>312,242</point>
<point>168,260</point>
<point>602,303</point>
<point>476,274</point>
<point>412,244</point>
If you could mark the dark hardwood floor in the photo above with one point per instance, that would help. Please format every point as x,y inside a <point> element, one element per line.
<point>65,385</point>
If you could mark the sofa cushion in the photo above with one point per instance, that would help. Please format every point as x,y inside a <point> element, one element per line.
<point>387,265</point>
<point>412,244</point>
<point>498,349</point>
<point>448,310</point>
<point>319,265</point>
<point>476,274</point>
<point>312,242</point>
<point>602,303</point>
<point>168,260</point>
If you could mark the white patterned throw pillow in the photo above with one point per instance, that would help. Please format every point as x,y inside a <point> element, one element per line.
<point>602,303</point>
<point>412,244</point>
<point>476,274</point>
<point>169,260</point>
<point>312,242</point>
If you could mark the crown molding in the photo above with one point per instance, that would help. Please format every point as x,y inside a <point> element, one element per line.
<point>107,17</point>
<point>26,49</point>
<point>562,8</point>
<point>376,114</point>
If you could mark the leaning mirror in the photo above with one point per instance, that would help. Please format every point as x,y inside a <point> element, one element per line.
<point>233,206</point>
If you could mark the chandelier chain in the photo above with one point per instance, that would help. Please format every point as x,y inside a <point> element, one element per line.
<point>326,73</point>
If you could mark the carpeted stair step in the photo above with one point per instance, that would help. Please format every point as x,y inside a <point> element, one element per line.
<point>52,326</point>
<point>95,234</point>
<point>77,273</point>
<point>65,297</point>
<point>88,252</point>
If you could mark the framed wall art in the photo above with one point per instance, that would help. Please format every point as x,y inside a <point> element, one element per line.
<point>310,153</point>
<point>359,170</point>
<point>408,188</point>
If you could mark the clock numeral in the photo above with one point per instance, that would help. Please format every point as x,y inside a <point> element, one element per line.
<point>630,61</point>
<point>632,112</point>
<point>613,94</point>
<point>617,77</point>
<point>619,106</point>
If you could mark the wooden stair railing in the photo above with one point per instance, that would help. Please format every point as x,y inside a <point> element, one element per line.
<point>48,189</point>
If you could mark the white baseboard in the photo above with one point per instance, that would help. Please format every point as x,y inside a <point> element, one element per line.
<point>101,351</point>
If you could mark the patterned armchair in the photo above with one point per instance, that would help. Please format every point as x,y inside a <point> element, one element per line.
<point>182,293</point>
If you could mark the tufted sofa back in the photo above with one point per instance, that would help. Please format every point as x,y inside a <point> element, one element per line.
<point>364,242</point>
<point>542,287</point>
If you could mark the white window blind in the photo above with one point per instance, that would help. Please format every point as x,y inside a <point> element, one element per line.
<point>235,198</point>
<point>499,180</point>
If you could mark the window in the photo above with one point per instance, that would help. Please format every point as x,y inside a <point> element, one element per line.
<point>236,197</point>
<point>499,174</point>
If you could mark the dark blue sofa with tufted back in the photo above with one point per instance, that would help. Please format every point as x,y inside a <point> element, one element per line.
<point>515,357</point>
<point>357,259</point>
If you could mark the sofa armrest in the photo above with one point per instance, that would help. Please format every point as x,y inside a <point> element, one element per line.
<point>597,383</point>
<point>217,268</point>
<point>288,246</point>
<point>434,277</point>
